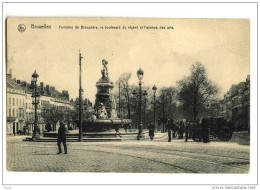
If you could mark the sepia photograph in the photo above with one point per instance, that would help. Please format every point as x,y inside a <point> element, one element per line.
<point>127,95</point>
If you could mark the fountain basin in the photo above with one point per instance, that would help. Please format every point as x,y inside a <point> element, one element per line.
<point>102,125</point>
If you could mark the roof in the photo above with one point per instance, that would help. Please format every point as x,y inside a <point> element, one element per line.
<point>12,84</point>
<point>27,88</point>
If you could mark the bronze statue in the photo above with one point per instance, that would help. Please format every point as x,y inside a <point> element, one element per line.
<point>104,70</point>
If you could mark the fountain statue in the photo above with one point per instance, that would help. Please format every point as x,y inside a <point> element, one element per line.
<point>105,116</point>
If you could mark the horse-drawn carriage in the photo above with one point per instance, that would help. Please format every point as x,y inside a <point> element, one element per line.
<point>216,127</point>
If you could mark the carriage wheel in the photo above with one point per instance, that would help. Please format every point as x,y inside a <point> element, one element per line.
<point>197,139</point>
<point>224,136</point>
<point>195,136</point>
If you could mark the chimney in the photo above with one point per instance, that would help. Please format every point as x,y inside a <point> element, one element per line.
<point>18,82</point>
<point>48,88</point>
<point>65,93</point>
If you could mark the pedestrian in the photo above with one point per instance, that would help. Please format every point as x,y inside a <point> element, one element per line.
<point>169,127</point>
<point>151,130</point>
<point>181,129</point>
<point>62,138</point>
<point>187,131</point>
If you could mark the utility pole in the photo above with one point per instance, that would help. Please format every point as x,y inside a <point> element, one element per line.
<point>80,101</point>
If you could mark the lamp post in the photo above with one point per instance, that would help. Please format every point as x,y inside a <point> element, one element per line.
<point>163,106</point>
<point>163,119</point>
<point>145,99</point>
<point>119,101</point>
<point>80,101</point>
<point>36,129</point>
<point>154,105</point>
<point>140,74</point>
<point>134,94</point>
<point>68,117</point>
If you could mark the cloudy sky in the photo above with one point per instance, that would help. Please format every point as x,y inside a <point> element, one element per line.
<point>165,55</point>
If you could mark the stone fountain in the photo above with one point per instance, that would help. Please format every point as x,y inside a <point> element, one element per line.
<point>105,116</point>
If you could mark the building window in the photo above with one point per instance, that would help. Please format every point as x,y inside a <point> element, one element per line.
<point>10,101</point>
<point>23,103</point>
<point>20,102</point>
<point>17,101</point>
<point>10,113</point>
<point>13,101</point>
<point>13,112</point>
<point>17,113</point>
<point>26,105</point>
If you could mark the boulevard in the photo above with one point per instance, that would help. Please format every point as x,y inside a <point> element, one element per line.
<point>144,156</point>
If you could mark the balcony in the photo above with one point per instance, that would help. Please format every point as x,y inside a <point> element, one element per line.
<point>11,119</point>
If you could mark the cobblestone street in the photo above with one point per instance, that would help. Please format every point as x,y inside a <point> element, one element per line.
<point>145,156</point>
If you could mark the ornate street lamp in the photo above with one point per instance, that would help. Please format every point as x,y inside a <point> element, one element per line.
<point>36,95</point>
<point>154,105</point>
<point>135,98</point>
<point>140,74</point>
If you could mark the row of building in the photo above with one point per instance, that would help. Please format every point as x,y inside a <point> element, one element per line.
<point>21,111</point>
<point>235,106</point>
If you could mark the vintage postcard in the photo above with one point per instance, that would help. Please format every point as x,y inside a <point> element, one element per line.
<point>128,95</point>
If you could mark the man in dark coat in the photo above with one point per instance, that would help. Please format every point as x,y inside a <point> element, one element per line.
<point>151,130</point>
<point>181,129</point>
<point>187,131</point>
<point>169,127</point>
<point>62,138</point>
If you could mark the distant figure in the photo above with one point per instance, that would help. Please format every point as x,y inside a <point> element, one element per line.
<point>62,138</point>
<point>187,131</point>
<point>151,130</point>
<point>181,129</point>
<point>169,127</point>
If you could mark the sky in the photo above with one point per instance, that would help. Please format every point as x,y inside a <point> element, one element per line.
<point>165,55</point>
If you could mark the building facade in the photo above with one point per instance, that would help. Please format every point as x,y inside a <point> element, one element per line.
<point>236,105</point>
<point>53,107</point>
<point>15,105</point>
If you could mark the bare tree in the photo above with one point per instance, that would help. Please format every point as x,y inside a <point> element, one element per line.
<point>125,90</point>
<point>169,94</point>
<point>196,90</point>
